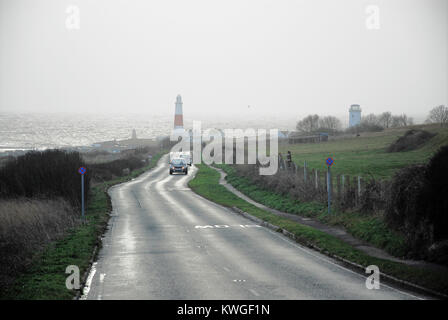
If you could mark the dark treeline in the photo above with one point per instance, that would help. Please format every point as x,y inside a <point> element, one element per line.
<point>369,123</point>
<point>374,123</point>
<point>44,174</point>
<point>115,168</point>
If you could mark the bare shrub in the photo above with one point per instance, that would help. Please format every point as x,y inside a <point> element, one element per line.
<point>348,197</point>
<point>407,208</point>
<point>113,169</point>
<point>372,198</point>
<point>284,182</point>
<point>411,140</point>
<point>44,174</point>
<point>438,114</point>
<point>418,205</point>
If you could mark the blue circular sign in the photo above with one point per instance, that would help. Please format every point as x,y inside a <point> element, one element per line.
<point>329,161</point>
<point>82,170</point>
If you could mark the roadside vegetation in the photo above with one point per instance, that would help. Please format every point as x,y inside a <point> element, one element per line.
<point>370,228</point>
<point>405,216</point>
<point>117,166</point>
<point>26,227</point>
<point>44,175</point>
<point>43,234</point>
<point>206,183</point>
<point>417,206</point>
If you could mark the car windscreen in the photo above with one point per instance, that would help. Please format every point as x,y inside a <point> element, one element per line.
<point>177,161</point>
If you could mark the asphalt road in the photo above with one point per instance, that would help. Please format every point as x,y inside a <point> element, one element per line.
<point>166,242</point>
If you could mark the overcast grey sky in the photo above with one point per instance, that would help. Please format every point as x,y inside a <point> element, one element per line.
<point>290,57</point>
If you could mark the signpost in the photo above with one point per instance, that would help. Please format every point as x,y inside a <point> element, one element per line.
<point>329,163</point>
<point>82,171</point>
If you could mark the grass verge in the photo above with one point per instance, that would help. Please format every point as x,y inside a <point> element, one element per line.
<point>206,184</point>
<point>370,228</point>
<point>45,278</point>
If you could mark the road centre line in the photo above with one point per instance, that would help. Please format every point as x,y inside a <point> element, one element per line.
<point>226,226</point>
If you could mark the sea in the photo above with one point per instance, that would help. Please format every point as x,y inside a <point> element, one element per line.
<point>40,131</point>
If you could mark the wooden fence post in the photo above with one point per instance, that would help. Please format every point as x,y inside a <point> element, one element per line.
<point>304,171</point>
<point>355,189</point>
<point>338,184</point>
<point>348,195</point>
<point>359,187</point>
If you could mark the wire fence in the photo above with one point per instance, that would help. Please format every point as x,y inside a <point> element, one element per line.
<point>307,184</point>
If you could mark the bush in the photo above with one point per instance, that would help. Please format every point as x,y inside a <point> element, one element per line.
<point>418,205</point>
<point>407,208</point>
<point>411,140</point>
<point>48,174</point>
<point>109,170</point>
<point>437,191</point>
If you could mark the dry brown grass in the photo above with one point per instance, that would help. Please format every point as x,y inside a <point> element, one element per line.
<point>26,226</point>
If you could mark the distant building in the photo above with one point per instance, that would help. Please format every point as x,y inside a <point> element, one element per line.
<point>354,115</point>
<point>316,138</point>
<point>283,134</point>
<point>134,134</point>
<point>178,114</point>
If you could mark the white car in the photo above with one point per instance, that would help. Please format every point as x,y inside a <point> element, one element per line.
<point>174,155</point>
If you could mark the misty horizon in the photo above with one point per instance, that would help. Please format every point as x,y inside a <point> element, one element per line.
<point>288,58</point>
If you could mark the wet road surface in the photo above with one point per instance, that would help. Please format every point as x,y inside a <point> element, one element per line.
<point>166,242</point>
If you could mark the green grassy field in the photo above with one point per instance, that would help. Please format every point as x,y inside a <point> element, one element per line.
<point>366,155</point>
<point>206,183</point>
<point>45,278</point>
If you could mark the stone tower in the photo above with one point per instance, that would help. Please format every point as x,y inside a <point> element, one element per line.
<point>354,115</point>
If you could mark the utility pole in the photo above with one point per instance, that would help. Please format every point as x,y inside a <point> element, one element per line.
<point>82,171</point>
<point>329,163</point>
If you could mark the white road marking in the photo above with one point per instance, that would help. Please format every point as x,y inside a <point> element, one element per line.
<point>136,198</point>
<point>255,293</point>
<point>225,226</point>
<point>86,289</point>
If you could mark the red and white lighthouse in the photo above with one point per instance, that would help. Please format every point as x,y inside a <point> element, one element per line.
<point>178,116</point>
